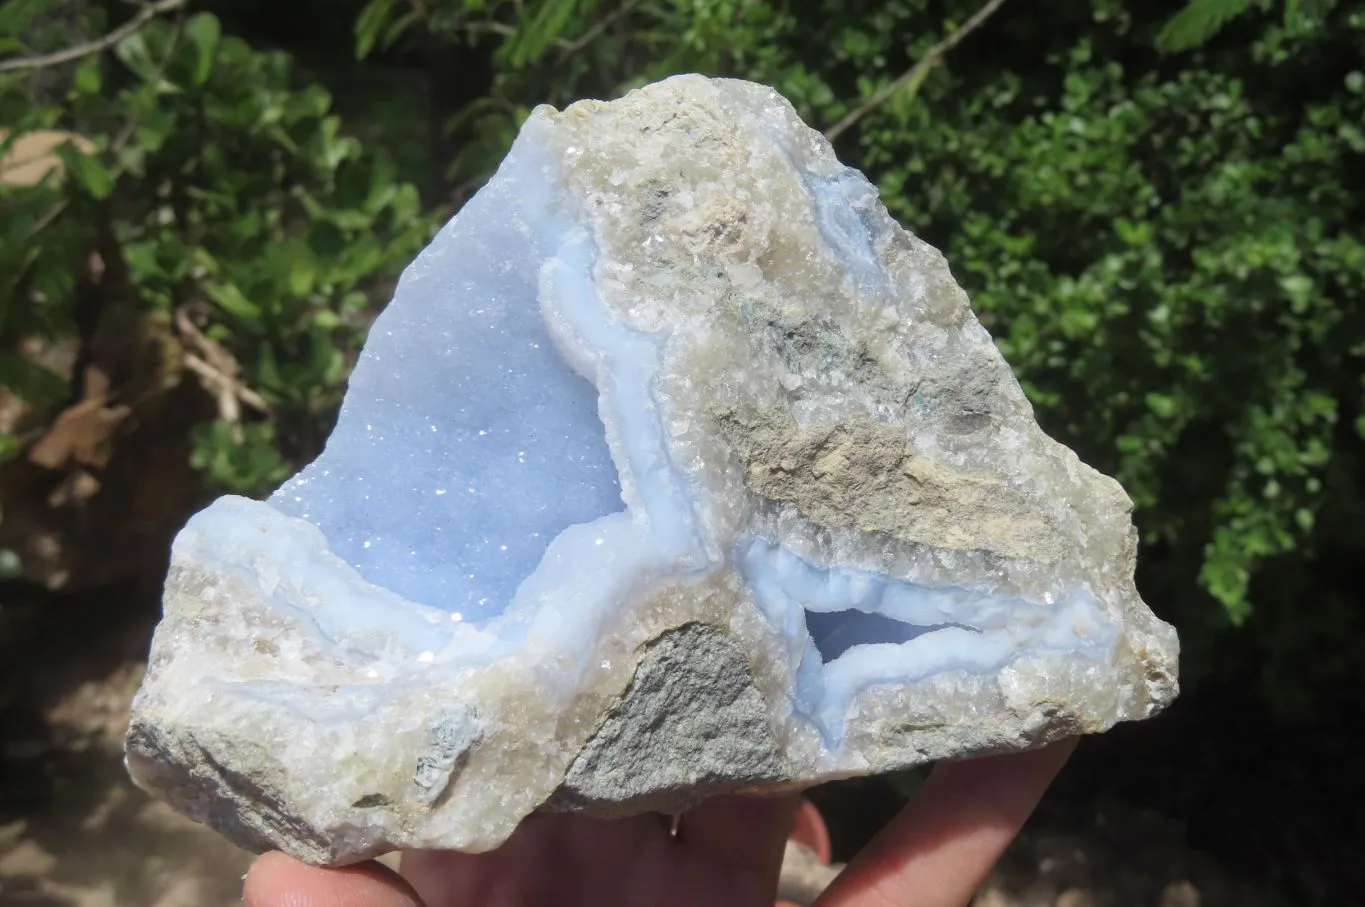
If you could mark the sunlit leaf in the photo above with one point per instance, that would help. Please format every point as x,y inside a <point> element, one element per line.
<point>87,170</point>
<point>1199,21</point>
<point>203,32</point>
<point>370,26</point>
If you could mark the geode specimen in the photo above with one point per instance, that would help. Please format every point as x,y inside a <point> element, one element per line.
<point>674,468</point>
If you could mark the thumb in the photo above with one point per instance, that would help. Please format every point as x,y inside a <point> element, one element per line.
<point>276,880</point>
<point>940,848</point>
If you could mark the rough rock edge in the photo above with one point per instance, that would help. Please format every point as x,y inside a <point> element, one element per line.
<point>691,714</point>
<point>197,777</point>
<point>690,725</point>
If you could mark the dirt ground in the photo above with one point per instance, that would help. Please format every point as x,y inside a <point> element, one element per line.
<point>74,832</point>
<point>90,838</point>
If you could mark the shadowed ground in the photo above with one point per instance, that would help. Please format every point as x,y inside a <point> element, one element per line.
<point>1162,814</point>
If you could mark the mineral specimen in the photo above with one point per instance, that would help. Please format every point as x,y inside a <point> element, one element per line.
<point>675,467</point>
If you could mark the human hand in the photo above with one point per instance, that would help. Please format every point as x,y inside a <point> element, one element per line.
<point>727,853</point>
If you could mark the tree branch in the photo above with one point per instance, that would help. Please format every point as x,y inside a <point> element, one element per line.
<point>125,133</point>
<point>917,72</point>
<point>565,47</point>
<point>140,18</point>
<point>569,48</point>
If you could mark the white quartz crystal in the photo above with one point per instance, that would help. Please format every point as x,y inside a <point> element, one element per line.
<point>675,467</point>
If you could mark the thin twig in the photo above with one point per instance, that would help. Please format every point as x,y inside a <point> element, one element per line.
<point>914,73</point>
<point>569,48</point>
<point>49,218</point>
<point>219,373</point>
<point>140,18</point>
<point>490,28</point>
<point>229,388</point>
<point>124,134</point>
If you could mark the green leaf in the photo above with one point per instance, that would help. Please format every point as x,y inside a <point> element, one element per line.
<point>87,79</point>
<point>204,32</point>
<point>154,128</point>
<point>327,320</point>
<point>398,27</point>
<point>405,204</point>
<point>132,50</point>
<point>302,275</point>
<point>537,33</point>
<point>1161,404</point>
<point>268,369</point>
<point>903,98</point>
<point>1312,9</point>
<point>30,381</point>
<point>88,170</point>
<point>370,26</point>
<point>243,459</point>
<point>1225,575</point>
<point>17,15</point>
<point>232,301</point>
<point>1199,21</point>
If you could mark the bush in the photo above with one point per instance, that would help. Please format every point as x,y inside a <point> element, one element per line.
<point>1168,248</point>
<point>178,211</point>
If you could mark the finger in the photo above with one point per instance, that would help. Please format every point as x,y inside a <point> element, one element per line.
<point>938,851</point>
<point>745,833</point>
<point>276,880</point>
<point>546,860</point>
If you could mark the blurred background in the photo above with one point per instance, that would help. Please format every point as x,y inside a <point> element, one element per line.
<point>1158,209</point>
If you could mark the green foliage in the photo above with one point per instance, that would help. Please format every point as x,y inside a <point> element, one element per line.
<point>1198,22</point>
<point>1171,257</point>
<point>226,198</point>
<point>1177,298</point>
<point>380,24</point>
<point>558,51</point>
<point>1172,262</point>
<point>239,459</point>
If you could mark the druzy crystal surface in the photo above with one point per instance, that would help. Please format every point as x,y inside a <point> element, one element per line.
<point>675,467</point>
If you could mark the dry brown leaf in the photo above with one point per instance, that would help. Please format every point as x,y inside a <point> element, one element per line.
<point>34,155</point>
<point>12,411</point>
<point>82,433</point>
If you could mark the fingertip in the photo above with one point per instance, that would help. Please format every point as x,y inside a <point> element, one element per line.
<point>278,880</point>
<point>260,881</point>
<point>939,849</point>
